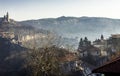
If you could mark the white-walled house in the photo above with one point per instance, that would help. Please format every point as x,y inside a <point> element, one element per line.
<point>90,51</point>
<point>83,53</point>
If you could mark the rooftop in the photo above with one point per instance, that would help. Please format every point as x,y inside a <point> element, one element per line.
<point>110,67</point>
<point>115,35</point>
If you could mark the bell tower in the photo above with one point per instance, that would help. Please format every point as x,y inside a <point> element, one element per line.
<point>7,17</point>
<point>102,37</point>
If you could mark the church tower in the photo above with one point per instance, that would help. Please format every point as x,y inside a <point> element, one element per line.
<point>7,17</point>
<point>102,37</point>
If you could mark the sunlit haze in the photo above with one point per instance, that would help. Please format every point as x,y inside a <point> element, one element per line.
<point>36,9</point>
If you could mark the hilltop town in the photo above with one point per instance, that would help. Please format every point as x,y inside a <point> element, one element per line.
<point>18,33</point>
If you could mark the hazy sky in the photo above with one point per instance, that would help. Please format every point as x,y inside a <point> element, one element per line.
<point>36,9</point>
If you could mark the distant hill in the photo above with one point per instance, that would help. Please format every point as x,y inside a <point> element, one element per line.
<point>92,27</point>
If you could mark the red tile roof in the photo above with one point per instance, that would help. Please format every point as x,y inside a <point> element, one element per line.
<point>110,67</point>
<point>68,57</point>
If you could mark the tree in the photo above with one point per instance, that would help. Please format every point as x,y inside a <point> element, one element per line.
<point>85,39</point>
<point>44,62</point>
<point>80,43</point>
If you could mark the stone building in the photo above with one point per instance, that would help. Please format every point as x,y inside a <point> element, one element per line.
<point>6,19</point>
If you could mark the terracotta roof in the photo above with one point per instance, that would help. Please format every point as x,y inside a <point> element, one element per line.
<point>68,57</point>
<point>110,67</point>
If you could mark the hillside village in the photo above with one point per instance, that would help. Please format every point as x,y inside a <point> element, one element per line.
<point>80,61</point>
<point>101,50</point>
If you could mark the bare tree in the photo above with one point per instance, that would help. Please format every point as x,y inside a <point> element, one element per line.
<point>44,62</point>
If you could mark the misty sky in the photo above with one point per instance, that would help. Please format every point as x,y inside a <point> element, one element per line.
<point>36,9</point>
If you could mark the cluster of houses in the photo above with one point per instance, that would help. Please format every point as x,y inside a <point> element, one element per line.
<point>10,36</point>
<point>99,51</point>
<point>99,47</point>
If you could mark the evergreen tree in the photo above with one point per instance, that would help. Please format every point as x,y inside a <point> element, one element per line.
<point>86,39</point>
<point>81,43</point>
